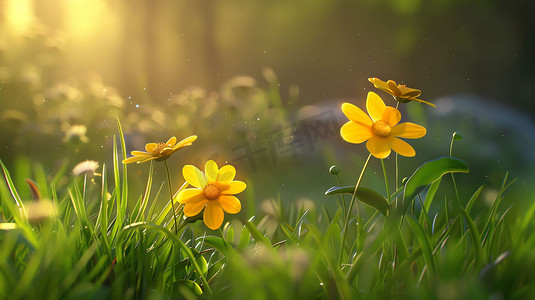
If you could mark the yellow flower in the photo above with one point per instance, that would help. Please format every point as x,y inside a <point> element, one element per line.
<point>159,151</point>
<point>381,130</point>
<point>401,93</point>
<point>214,190</point>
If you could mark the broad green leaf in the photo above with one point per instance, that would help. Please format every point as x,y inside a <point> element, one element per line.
<point>228,232</point>
<point>365,195</point>
<point>218,243</point>
<point>428,173</point>
<point>201,261</point>
<point>189,285</point>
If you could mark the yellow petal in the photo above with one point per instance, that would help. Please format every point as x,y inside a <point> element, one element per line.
<point>226,174</point>
<point>355,133</point>
<point>150,146</point>
<point>380,147</point>
<point>193,209</point>
<point>391,116</point>
<point>394,88</point>
<point>194,176</point>
<point>410,93</point>
<point>230,204</point>
<point>378,83</point>
<point>213,215</point>
<point>403,148</point>
<point>171,142</point>
<point>137,153</point>
<point>408,130</point>
<point>234,187</point>
<point>210,169</point>
<point>190,196</point>
<point>166,152</point>
<point>422,101</point>
<point>137,158</point>
<point>356,114</point>
<point>185,142</point>
<point>148,158</point>
<point>375,106</point>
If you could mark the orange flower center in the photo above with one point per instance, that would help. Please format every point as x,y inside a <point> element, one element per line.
<point>211,192</point>
<point>159,148</point>
<point>381,128</point>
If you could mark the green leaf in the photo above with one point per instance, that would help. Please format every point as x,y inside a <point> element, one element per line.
<point>245,238</point>
<point>188,285</point>
<point>259,237</point>
<point>365,195</point>
<point>218,243</point>
<point>476,238</point>
<point>431,193</point>
<point>473,199</point>
<point>425,244</point>
<point>201,261</point>
<point>170,237</point>
<point>428,173</point>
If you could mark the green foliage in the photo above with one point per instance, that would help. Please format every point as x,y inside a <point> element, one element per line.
<point>364,194</point>
<point>107,250</point>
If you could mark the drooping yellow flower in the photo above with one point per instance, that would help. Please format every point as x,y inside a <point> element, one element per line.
<point>401,92</point>
<point>380,129</point>
<point>159,151</point>
<point>213,191</point>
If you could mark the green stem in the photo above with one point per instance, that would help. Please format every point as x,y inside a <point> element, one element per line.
<point>453,177</point>
<point>344,209</point>
<point>386,179</point>
<point>171,195</point>
<point>353,198</point>
<point>397,168</point>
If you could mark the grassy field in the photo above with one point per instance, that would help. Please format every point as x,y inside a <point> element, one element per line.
<point>91,234</point>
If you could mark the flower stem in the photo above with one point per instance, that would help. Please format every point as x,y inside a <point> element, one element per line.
<point>344,209</point>
<point>453,177</point>
<point>353,198</point>
<point>397,168</point>
<point>171,195</point>
<point>386,179</point>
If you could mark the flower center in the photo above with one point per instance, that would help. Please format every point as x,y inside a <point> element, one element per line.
<point>159,148</point>
<point>381,128</point>
<point>211,192</point>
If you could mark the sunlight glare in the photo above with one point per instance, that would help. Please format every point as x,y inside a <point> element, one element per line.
<point>19,15</point>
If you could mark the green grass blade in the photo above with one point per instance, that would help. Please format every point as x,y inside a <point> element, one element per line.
<point>121,212</point>
<point>124,195</point>
<point>259,237</point>
<point>425,244</point>
<point>431,193</point>
<point>141,204</point>
<point>14,193</point>
<point>476,238</point>
<point>473,199</point>
<point>172,237</point>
